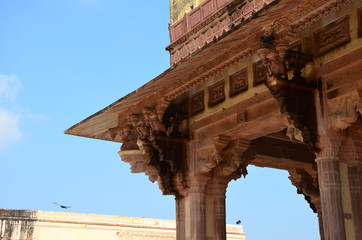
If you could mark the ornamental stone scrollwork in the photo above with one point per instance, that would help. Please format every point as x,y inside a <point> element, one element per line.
<point>295,97</point>
<point>150,146</point>
<point>232,164</point>
<point>210,157</point>
<point>344,112</point>
<point>224,158</point>
<point>306,183</point>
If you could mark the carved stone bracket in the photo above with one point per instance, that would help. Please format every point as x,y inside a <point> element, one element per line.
<point>210,157</point>
<point>307,184</point>
<point>159,156</point>
<point>344,111</point>
<point>233,165</point>
<point>224,158</point>
<point>294,96</point>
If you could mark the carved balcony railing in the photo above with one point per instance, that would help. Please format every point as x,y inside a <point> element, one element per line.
<point>195,17</point>
<point>206,22</point>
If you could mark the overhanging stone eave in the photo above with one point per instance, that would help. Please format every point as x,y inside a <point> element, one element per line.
<point>98,124</point>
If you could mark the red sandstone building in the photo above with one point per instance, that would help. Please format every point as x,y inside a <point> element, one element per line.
<point>272,83</point>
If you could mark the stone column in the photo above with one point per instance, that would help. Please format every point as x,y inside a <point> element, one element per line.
<point>330,188</point>
<point>355,186</point>
<point>216,214</point>
<point>180,218</point>
<point>193,205</point>
<point>317,203</point>
<point>351,153</point>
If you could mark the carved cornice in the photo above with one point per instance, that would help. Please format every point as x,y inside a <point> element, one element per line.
<point>313,11</point>
<point>205,72</point>
<point>284,29</point>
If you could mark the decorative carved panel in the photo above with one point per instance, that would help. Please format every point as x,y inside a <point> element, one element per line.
<point>259,73</point>
<point>238,82</point>
<point>240,117</point>
<point>197,102</point>
<point>216,93</point>
<point>359,14</point>
<point>332,36</point>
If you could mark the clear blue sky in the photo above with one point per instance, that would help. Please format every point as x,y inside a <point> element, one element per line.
<point>63,60</point>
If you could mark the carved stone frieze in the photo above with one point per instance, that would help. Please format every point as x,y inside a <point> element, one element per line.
<point>205,72</point>
<point>332,36</point>
<point>313,11</point>
<point>299,18</point>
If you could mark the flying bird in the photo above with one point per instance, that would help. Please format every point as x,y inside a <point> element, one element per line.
<point>62,206</point>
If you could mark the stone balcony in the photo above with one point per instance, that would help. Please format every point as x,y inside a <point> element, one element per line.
<point>207,22</point>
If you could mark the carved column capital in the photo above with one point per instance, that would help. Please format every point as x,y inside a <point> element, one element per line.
<point>197,183</point>
<point>216,186</point>
<point>351,151</point>
<point>329,146</point>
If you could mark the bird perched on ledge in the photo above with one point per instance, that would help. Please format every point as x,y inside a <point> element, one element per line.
<point>62,206</point>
